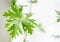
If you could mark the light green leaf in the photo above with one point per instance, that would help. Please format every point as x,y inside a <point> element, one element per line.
<point>17,23</point>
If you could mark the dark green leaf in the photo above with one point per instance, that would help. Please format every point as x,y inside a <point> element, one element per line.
<point>14,2</point>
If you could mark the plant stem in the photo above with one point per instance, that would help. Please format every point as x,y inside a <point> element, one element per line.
<point>25,36</point>
<point>24,40</point>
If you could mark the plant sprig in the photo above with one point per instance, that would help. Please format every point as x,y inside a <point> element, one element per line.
<point>17,22</point>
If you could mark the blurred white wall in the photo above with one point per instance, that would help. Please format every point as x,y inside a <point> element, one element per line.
<point>44,12</point>
<point>4,5</point>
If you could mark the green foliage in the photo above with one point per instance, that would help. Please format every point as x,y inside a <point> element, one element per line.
<point>14,2</point>
<point>13,16</point>
<point>17,22</point>
<point>58,12</point>
<point>33,1</point>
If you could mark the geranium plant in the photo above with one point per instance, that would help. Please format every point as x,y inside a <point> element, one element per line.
<point>17,22</point>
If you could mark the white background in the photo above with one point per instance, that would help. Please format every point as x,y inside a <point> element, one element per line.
<point>44,12</point>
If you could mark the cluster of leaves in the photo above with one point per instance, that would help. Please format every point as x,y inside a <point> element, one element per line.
<point>17,22</point>
<point>58,12</point>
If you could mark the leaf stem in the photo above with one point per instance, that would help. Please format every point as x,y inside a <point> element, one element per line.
<point>25,36</point>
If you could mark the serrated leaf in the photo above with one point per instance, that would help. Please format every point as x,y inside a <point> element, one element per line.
<point>30,30</point>
<point>28,27</point>
<point>6,14</point>
<point>15,17</point>
<point>32,21</point>
<point>14,8</point>
<point>20,9</point>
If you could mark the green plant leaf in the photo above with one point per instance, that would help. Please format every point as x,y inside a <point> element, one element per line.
<point>17,22</point>
<point>58,12</point>
<point>14,2</point>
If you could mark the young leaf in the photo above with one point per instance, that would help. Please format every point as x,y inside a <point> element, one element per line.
<point>15,17</point>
